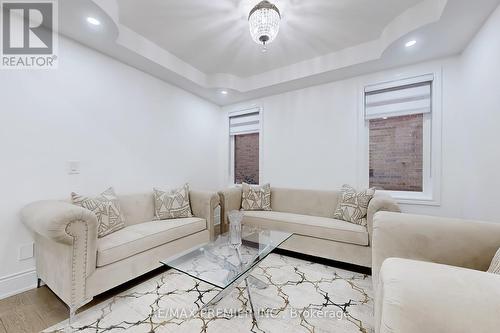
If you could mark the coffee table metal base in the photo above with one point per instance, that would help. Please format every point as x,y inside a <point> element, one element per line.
<point>249,279</point>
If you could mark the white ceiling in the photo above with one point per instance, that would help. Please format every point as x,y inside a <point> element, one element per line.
<point>205,46</point>
<point>213,36</point>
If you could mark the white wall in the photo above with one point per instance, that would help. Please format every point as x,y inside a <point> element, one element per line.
<point>479,118</point>
<point>310,136</point>
<point>128,129</point>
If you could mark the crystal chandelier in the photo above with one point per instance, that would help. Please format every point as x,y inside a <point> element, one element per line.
<point>264,20</point>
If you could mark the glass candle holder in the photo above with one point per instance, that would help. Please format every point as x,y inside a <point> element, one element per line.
<point>235,219</point>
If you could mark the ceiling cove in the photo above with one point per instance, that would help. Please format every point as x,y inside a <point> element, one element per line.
<point>206,47</point>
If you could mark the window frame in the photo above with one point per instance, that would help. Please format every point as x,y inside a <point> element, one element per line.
<point>432,129</point>
<point>240,112</point>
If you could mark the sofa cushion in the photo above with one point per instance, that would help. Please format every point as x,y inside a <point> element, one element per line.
<point>141,237</point>
<point>416,296</point>
<point>313,226</point>
<point>495,264</point>
<point>353,205</point>
<point>107,209</point>
<point>256,197</point>
<point>172,204</point>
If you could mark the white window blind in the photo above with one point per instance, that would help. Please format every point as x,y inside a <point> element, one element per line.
<point>406,99</point>
<point>244,123</point>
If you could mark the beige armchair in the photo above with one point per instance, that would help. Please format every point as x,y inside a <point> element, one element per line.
<point>77,265</point>
<point>429,274</point>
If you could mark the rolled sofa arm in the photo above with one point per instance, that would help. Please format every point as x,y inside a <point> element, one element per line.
<point>380,202</point>
<point>52,219</point>
<point>455,242</point>
<point>66,247</point>
<point>65,223</point>
<point>230,200</point>
<point>203,205</point>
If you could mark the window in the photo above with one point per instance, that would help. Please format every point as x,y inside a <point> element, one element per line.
<point>399,118</point>
<point>244,131</point>
<point>246,158</point>
<point>396,153</point>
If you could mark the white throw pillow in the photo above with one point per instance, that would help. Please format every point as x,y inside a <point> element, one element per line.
<point>495,264</point>
<point>255,197</point>
<point>107,209</point>
<point>353,205</point>
<point>172,204</point>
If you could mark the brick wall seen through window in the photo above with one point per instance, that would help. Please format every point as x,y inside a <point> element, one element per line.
<point>396,153</point>
<point>246,158</point>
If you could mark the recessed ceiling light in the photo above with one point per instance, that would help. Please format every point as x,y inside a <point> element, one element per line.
<point>411,43</point>
<point>224,92</point>
<point>93,21</point>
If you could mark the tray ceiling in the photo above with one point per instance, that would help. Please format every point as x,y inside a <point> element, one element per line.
<point>213,36</point>
<point>205,46</point>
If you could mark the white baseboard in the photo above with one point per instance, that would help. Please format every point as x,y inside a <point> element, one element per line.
<point>17,283</point>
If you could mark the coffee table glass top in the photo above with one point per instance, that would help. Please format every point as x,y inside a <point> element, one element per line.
<point>219,264</point>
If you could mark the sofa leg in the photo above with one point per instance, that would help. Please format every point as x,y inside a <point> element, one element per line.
<point>68,328</point>
<point>72,313</point>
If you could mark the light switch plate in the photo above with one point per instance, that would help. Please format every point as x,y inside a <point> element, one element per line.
<point>26,251</point>
<point>73,167</point>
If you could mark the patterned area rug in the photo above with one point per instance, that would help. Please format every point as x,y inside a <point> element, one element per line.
<point>300,297</point>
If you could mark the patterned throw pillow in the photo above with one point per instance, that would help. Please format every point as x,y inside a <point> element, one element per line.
<point>353,205</point>
<point>495,264</point>
<point>255,197</point>
<point>172,204</point>
<point>107,209</point>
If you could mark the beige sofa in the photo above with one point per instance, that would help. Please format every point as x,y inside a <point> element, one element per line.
<point>76,265</point>
<point>308,214</point>
<point>429,274</point>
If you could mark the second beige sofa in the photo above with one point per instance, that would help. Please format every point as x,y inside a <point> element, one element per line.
<point>308,214</point>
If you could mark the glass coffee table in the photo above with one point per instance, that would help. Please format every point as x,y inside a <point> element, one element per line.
<point>225,267</point>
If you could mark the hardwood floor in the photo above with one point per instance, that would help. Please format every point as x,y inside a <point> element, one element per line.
<point>31,311</point>
<point>39,308</point>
